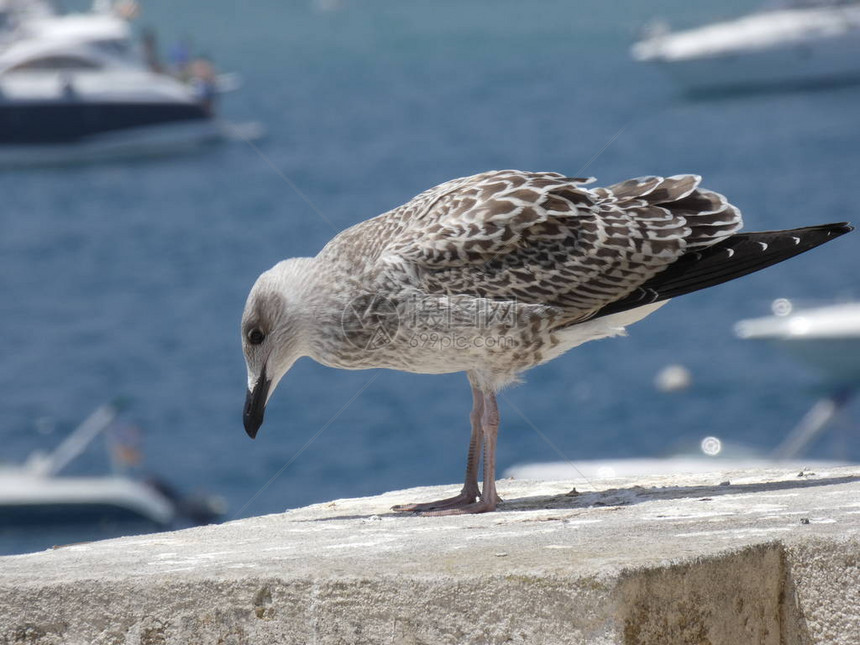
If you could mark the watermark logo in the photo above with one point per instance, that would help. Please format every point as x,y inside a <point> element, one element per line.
<point>460,312</point>
<point>370,321</point>
<point>432,340</point>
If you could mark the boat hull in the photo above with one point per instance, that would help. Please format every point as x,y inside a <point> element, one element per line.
<point>152,140</point>
<point>761,51</point>
<point>826,62</point>
<point>61,122</point>
<point>65,514</point>
<point>827,338</point>
<point>27,499</point>
<point>838,358</point>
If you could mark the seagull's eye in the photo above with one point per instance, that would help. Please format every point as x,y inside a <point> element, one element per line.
<point>255,336</point>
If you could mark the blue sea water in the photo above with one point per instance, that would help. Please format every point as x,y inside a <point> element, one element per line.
<point>129,279</point>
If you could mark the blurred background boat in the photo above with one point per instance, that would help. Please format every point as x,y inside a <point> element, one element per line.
<point>38,492</point>
<point>799,43</point>
<point>827,338</point>
<point>78,88</point>
<point>585,472</point>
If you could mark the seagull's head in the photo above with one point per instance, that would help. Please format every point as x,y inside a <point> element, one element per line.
<point>273,326</point>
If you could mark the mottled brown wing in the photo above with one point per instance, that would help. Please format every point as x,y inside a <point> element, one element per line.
<point>541,238</point>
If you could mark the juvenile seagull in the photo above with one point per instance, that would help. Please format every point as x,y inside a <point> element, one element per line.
<point>492,275</point>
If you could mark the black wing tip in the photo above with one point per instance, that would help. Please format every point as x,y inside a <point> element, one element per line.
<point>812,236</point>
<point>839,228</point>
<point>832,229</point>
<point>681,278</point>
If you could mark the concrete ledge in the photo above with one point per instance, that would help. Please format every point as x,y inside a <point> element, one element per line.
<point>771,557</point>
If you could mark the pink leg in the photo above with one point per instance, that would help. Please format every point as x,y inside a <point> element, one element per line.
<point>470,491</point>
<point>489,498</point>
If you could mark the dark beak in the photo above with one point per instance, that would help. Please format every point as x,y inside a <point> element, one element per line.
<point>255,405</point>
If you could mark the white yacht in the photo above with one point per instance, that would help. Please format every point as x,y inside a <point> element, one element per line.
<point>77,88</point>
<point>799,43</point>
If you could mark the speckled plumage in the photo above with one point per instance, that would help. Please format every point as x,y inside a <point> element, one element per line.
<point>496,273</point>
<point>537,237</point>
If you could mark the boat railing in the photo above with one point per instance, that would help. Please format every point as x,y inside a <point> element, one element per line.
<point>51,464</point>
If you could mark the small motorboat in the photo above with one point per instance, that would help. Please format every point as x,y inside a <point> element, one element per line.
<point>793,44</point>
<point>827,338</point>
<point>37,493</point>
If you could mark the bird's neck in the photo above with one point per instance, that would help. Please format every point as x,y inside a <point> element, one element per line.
<point>316,300</point>
<point>328,304</point>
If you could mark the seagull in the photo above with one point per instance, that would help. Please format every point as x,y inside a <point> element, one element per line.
<point>492,275</point>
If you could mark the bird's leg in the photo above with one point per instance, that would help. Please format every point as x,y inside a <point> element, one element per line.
<point>490,426</point>
<point>488,498</point>
<point>470,491</point>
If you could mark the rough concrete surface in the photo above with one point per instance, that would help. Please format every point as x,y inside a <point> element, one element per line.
<point>743,557</point>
